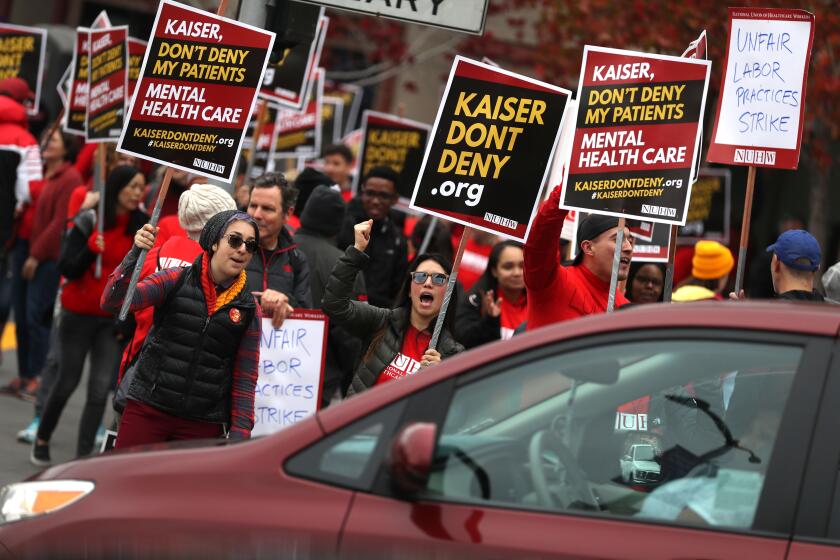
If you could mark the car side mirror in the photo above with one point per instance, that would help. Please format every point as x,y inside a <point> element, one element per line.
<point>411,456</point>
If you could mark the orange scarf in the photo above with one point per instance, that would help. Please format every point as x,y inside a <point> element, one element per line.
<point>214,301</point>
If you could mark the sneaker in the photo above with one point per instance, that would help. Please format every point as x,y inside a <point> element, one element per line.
<point>27,435</point>
<point>11,388</point>
<point>40,456</point>
<point>100,438</point>
<point>29,390</point>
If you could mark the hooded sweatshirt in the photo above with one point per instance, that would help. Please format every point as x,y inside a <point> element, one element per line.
<point>20,163</point>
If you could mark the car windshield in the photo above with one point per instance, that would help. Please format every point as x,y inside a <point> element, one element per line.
<point>644,453</point>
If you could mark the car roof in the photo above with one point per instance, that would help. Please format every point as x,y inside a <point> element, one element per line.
<point>774,316</point>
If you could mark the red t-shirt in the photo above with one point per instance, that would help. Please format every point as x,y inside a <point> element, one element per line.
<point>407,361</point>
<point>513,315</point>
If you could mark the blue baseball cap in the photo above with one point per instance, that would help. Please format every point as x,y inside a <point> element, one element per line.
<point>796,244</point>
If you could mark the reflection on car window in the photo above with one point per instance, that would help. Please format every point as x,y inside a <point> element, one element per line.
<point>350,456</point>
<point>678,431</point>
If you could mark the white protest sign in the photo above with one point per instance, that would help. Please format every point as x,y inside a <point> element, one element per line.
<point>291,371</point>
<point>761,106</point>
<point>458,15</point>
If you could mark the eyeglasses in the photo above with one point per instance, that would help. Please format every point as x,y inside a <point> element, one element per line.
<point>381,195</point>
<point>236,242</point>
<point>438,278</point>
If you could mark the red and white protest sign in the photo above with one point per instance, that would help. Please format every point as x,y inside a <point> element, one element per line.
<point>761,108</point>
<point>490,149</point>
<point>107,84</point>
<point>638,129</point>
<point>196,91</point>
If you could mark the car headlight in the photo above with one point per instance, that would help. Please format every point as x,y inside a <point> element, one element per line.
<point>30,499</point>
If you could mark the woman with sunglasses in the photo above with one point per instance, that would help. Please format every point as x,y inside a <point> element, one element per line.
<point>197,370</point>
<point>396,340</point>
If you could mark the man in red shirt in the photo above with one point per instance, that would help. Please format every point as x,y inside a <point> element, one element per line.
<point>558,293</point>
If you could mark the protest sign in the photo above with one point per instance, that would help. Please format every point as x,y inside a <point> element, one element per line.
<point>761,107</point>
<point>63,87</point>
<point>22,52</point>
<point>351,95</point>
<point>107,84</point>
<point>490,149</point>
<point>466,16</point>
<point>260,153</point>
<point>394,142</point>
<point>287,82</point>
<point>291,371</point>
<point>709,209</point>
<point>638,130</point>
<point>655,248</point>
<point>76,114</point>
<point>298,133</point>
<point>136,51</point>
<point>196,91</point>
<point>332,113</point>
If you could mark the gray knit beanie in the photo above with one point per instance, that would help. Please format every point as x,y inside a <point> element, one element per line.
<point>198,203</point>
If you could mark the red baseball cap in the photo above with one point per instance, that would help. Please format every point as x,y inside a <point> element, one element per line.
<point>17,89</point>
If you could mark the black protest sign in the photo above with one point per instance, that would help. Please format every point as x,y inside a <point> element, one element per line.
<point>261,152</point>
<point>490,149</point>
<point>638,130</point>
<point>351,95</point>
<point>196,91</point>
<point>107,84</point>
<point>22,56</point>
<point>654,249</point>
<point>298,133</point>
<point>394,142</point>
<point>709,209</point>
<point>136,51</point>
<point>332,114</point>
<point>287,82</point>
<point>76,114</point>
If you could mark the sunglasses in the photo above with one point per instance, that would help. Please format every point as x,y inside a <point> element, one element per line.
<point>236,242</point>
<point>438,278</point>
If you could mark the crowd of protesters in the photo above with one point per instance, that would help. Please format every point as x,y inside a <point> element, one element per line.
<point>184,363</point>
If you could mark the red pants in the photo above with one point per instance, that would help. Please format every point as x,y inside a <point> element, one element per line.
<point>142,424</point>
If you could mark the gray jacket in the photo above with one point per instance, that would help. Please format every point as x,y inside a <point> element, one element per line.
<point>366,321</point>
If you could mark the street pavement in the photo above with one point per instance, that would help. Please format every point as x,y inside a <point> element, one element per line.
<point>15,414</point>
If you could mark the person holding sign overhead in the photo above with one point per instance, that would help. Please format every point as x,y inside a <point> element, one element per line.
<point>197,370</point>
<point>559,293</point>
<point>396,341</point>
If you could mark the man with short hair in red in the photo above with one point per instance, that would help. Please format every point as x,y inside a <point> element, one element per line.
<point>557,292</point>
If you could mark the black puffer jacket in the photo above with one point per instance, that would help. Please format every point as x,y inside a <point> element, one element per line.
<point>366,320</point>
<point>185,365</point>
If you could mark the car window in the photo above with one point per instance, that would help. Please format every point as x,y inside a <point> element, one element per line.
<point>676,431</point>
<point>350,456</point>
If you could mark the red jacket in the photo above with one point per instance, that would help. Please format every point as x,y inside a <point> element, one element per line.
<point>81,295</point>
<point>176,251</point>
<point>20,163</point>
<point>556,292</point>
<point>169,227</point>
<point>51,213</point>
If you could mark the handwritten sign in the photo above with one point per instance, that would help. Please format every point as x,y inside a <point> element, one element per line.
<point>291,371</point>
<point>196,91</point>
<point>490,149</point>
<point>761,107</point>
<point>22,56</point>
<point>638,130</point>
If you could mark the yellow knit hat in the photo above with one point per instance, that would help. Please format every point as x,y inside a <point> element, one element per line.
<point>711,260</point>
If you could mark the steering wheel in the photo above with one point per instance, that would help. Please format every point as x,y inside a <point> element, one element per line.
<point>546,440</point>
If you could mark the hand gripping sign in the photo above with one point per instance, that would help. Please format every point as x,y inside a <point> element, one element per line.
<point>291,371</point>
<point>22,56</point>
<point>761,107</point>
<point>638,129</point>
<point>490,149</point>
<point>196,91</point>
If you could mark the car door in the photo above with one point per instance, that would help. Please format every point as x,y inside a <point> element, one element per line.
<point>528,457</point>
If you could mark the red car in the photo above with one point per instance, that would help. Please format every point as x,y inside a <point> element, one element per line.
<point>511,451</point>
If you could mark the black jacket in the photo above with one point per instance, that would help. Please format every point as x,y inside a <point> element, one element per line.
<point>343,349</point>
<point>388,252</point>
<point>366,321</point>
<point>471,329</point>
<point>800,295</point>
<point>185,366</point>
<point>285,270</point>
